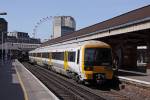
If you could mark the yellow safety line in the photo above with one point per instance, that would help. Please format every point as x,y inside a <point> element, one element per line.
<point>22,85</point>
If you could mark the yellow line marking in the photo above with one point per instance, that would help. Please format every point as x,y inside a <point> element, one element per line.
<point>22,85</point>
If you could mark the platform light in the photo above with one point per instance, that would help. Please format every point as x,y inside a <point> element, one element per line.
<point>141,47</point>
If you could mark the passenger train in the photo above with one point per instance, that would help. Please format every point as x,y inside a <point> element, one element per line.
<point>88,61</point>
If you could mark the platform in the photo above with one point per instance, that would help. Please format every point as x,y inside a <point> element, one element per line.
<point>17,83</point>
<point>136,78</point>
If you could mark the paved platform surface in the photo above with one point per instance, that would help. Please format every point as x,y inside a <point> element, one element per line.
<point>137,78</point>
<point>17,83</point>
<point>10,88</point>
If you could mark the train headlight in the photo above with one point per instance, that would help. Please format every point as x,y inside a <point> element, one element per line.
<point>88,68</point>
<point>99,76</point>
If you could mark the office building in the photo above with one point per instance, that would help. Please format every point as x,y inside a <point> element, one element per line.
<point>63,25</point>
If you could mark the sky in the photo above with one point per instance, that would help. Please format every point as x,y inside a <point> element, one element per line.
<point>23,15</point>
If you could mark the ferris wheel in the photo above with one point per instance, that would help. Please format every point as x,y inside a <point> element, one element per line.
<point>42,20</point>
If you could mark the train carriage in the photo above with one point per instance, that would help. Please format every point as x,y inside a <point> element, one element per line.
<point>89,61</point>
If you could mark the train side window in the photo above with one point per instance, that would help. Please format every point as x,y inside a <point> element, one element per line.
<point>52,55</point>
<point>71,56</point>
<point>78,56</point>
<point>58,55</point>
<point>34,55</point>
<point>62,56</point>
<point>38,54</point>
<point>45,55</point>
<point>30,54</point>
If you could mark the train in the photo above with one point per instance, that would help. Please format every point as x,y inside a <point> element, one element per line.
<point>22,56</point>
<point>87,61</point>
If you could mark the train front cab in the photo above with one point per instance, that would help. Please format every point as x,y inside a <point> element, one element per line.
<point>97,64</point>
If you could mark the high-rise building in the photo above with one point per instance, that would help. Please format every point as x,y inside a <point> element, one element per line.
<point>63,25</point>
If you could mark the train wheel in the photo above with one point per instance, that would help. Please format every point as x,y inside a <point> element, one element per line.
<point>69,75</point>
<point>78,80</point>
<point>100,83</point>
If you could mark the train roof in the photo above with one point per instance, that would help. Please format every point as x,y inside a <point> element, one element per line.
<point>71,46</point>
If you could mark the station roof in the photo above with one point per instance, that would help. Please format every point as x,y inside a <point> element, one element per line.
<point>132,16</point>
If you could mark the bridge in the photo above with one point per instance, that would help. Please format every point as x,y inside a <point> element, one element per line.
<point>13,49</point>
<point>128,34</point>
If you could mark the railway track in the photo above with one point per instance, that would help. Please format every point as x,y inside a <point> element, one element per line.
<point>62,88</point>
<point>66,89</point>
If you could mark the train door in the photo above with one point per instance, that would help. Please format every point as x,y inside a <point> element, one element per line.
<point>66,60</point>
<point>78,60</point>
<point>50,59</point>
<point>40,59</point>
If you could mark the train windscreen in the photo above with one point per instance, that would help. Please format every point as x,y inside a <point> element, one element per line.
<point>98,57</point>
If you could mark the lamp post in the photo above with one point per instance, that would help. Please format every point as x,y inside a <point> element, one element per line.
<point>2,47</point>
<point>2,13</point>
<point>5,47</point>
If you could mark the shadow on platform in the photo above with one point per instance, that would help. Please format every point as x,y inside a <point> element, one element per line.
<point>10,88</point>
<point>125,73</point>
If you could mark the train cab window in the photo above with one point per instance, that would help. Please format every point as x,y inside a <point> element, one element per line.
<point>97,56</point>
<point>78,56</point>
<point>71,56</point>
